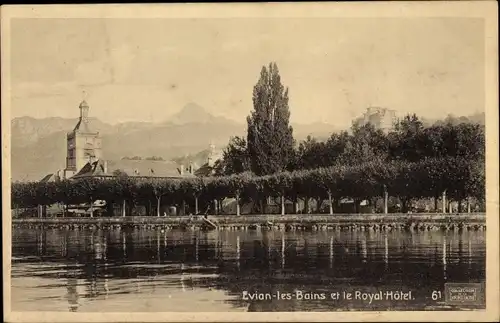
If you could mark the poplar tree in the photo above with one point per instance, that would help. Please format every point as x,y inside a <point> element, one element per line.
<point>269,137</point>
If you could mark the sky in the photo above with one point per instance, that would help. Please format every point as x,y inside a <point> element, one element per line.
<point>148,69</point>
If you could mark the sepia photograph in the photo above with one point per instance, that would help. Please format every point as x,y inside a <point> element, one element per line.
<point>184,162</point>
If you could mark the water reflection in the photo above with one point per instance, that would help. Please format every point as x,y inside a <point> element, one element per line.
<point>72,293</point>
<point>444,257</point>
<point>146,270</point>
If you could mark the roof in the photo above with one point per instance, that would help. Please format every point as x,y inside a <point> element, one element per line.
<point>83,126</point>
<point>204,170</point>
<point>48,178</point>
<point>83,123</point>
<point>84,104</point>
<point>135,168</point>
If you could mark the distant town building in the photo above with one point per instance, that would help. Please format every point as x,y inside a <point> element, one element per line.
<point>207,169</point>
<point>214,155</point>
<point>381,118</point>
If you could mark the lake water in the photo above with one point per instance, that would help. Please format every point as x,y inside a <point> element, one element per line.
<point>120,270</point>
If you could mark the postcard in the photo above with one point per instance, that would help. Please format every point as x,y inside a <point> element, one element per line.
<point>250,162</point>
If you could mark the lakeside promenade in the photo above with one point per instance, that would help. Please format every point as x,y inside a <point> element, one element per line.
<point>309,222</point>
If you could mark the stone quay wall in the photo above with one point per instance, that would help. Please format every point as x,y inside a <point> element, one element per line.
<point>292,222</point>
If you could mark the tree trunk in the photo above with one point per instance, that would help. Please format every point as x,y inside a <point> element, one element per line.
<point>370,201</point>
<point>158,206</point>
<point>215,207</point>
<point>295,205</point>
<point>263,205</point>
<point>404,205</point>
<point>91,208</point>
<point>386,202</point>
<point>109,208</point>
<point>130,208</point>
<point>330,202</point>
<point>124,208</point>
<point>306,205</point>
<point>238,212</point>
<point>459,206</point>
<point>468,205</point>
<point>183,207</point>
<point>444,202</point>
<point>219,206</point>
<point>436,198</point>
<point>196,211</point>
<point>282,203</point>
<point>319,203</point>
<point>356,205</point>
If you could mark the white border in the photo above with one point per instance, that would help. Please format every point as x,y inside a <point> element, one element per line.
<point>479,9</point>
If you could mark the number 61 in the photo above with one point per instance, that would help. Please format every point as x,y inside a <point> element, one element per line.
<point>436,295</point>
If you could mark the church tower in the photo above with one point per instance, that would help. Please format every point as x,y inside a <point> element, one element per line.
<point>83,144</point>
<point>211,155</point>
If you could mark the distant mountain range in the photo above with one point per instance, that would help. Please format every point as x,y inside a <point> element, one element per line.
<point>39,145</point>
<point>478,117</point>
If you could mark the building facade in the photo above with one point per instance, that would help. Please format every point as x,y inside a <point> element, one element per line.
<point>85,158</point>
<point>84,145</point>
<point>381,118</point>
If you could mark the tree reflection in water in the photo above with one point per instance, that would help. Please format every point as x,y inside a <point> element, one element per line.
<point>103,263</point>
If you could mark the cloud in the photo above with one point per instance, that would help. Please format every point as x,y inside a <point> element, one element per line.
<point>121,59</point>
<point>39,90</point>
<point>334,71</point>
<point>93,73</point>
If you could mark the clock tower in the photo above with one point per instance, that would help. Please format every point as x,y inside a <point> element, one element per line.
<point>83,144</point>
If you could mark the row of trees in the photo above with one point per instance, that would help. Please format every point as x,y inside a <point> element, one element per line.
<point>407,181</point>
<point>424,154</point>
<point>409,162</point>
<point>408,141</point>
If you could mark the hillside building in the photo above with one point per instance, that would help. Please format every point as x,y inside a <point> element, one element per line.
<point>207,169</point>
<point>381,118</point>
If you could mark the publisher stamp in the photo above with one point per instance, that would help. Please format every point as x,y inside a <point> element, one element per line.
<point>464,294</point>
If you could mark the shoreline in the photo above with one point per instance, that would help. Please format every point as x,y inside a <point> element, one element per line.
<point>292,222</point>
